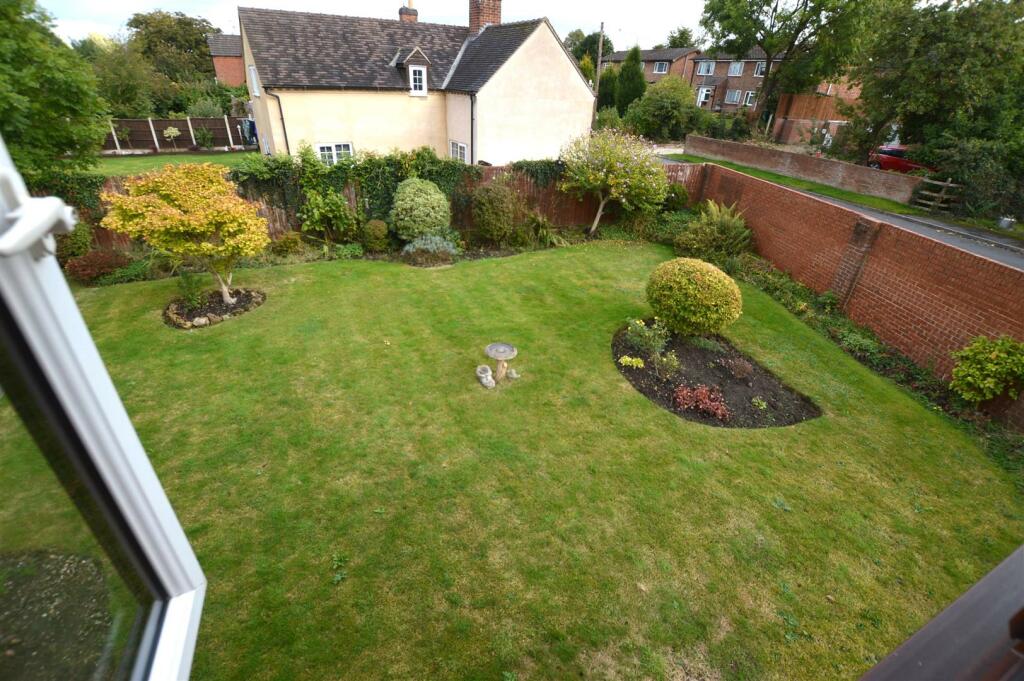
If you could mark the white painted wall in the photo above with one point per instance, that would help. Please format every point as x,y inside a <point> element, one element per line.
<point>460,120</point>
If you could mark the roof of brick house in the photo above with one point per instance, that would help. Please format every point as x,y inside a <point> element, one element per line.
<point>224,45</point>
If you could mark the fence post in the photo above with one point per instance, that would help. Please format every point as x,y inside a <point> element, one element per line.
<point>113,133</point>
<point>227,126</point>
<point>188,119</point>
<point>153,130</point>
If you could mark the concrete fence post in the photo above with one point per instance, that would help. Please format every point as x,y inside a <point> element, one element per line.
<point>113,133</point>
<point>153,130</point>
<point>227,126</point>
<point>188,119</point>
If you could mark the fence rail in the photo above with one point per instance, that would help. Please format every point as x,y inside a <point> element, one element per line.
<point>136,135</point>
<point>937,195</point>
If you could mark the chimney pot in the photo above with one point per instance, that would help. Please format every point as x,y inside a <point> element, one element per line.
<point>408,14</point>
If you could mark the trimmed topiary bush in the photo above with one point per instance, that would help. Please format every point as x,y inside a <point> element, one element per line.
<point>693,297</point>
<point>498,211</point>
<point>420,209</point>
<point>375,236</point>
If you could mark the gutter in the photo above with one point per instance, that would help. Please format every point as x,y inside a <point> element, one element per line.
<point>284,128</point>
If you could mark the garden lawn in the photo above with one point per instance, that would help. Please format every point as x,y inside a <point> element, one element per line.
<point>111,166</point>
<point>364,510</point>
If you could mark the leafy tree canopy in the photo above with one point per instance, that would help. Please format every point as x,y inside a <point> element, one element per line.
<point>608,87</point>
<point>51,117</point>
<point>814,39</point>
<point>682,37</point>
<point>573,39</point>
<point>174,43</point>
<point>587,68</point>
<point>589,45</point>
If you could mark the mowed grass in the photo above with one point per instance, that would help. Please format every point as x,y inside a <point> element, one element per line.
<point>112,166</point>
<point>559,527</point>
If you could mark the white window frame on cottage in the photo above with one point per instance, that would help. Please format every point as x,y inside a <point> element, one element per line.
<point>331,153</point>
<point>52,351</point>
<point>705,95</point>
<point>661,67</point>
<point>750,98</point>
<point>759,69</point>
<point>733,96</point>
<point>458,151</point>
<point>421,90</point>
<point>705,68</point>
<point>736,68</point>
<point>254,82</point>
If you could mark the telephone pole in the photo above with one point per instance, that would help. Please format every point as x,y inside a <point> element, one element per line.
<point>597,76</point>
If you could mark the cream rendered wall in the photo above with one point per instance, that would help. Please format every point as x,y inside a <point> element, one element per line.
<point>264,109</point>
<point>460,121</point>
<point>534,104</point>
<point>371,120</point>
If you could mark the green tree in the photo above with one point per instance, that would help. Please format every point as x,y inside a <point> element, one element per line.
<point>573,39</point>
<point>608,87</point>
<point>174,43</point>
<point>587,68</point>
<point>632,83</point>
<point>811,40</point>
<point>51,116</point>
<point>610,165</point>
<point>589,45</point>
<point>668,111</point>
<point>682,37</point>
<point>126,80</point>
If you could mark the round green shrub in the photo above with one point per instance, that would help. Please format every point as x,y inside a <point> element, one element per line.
<point>420,209</point>
<point>375,236</point>
<point>289,243</point>
<point>498,210</point>
<point>989,368</point>
<point>693,297</point>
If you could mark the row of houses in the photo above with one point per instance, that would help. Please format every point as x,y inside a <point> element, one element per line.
<point>488,92</point>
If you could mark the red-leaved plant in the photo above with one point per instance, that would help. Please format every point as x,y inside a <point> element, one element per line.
<point>95,264</point>
<point>703,399</point>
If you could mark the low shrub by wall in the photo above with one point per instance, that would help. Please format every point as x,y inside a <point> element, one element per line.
<point>861,179</point>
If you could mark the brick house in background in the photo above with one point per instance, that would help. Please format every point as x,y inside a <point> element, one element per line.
<point>799,115</point>
<point>657,64</point>
<point>726,84</point>
<point>226,50</point>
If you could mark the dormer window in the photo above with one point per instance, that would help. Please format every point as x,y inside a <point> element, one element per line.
<point>418,81</point>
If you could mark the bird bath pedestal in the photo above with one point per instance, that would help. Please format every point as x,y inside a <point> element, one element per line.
<point>502,353</point>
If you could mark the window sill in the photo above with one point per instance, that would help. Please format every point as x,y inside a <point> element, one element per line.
<point>417,94</point>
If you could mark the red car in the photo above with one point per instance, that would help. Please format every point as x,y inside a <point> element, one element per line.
<point>893,157</point>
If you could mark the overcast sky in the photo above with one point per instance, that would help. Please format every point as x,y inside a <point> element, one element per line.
<point>643,22</point>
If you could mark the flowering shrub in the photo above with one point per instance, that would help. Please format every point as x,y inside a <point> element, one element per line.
<point>988,368</point>
<point>614,166</point>
<point>665,365</point>
<point>95,264</point>
<point>704,400</point>
<point>420,209</point>
<point>694,297</point>
<point>632,362</point>
<point>649,340</point>
<point>192,212</point>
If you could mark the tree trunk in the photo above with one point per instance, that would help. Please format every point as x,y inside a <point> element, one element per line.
<point>225,290</point>
<point>597,220</point>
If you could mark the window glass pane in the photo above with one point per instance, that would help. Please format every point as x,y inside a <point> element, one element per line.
<point>71,606</point>
<point>326,155</point>
<point>343,150</point>
<point>736,68</point>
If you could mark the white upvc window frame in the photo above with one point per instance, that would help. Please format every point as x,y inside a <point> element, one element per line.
<point>458,151</point>
<point>750,98</point>
<point>422,90</point>
<point>254,81</point>
<point>332,152</point>
<point>701,92</point>
<point>736,68</point>
<point>661,67</point>
<point>733,96</point>
<point>760,68</point>
<point>705,68</point>
<point>40,303</point>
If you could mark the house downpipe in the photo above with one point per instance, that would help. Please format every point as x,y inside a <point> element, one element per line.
<point>472,129</point>
<point>284,128</point>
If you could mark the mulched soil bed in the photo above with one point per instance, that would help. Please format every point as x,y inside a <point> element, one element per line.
<point>714,368</point>
<point>214,310</point>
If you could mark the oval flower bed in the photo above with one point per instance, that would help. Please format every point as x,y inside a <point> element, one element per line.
<point>714,383</point>
<point>213,310</point>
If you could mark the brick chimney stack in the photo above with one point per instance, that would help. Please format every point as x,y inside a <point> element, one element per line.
<point>482,13</point>
<point>408,14</point>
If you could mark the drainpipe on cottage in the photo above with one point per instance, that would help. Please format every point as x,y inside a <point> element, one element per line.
<point>284,129</point>
<point>472,129</point>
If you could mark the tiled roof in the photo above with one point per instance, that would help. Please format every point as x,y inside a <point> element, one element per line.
<point>667,54</point>
<point>224,45</point>
<point>486,53</point>
<point>306,50</point>
<point>753,53</point>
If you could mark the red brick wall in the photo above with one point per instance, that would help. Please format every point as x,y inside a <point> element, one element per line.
<point>483,12</point>
<point>229,70</point>
<point>924,297</point>
<point>862,179</point>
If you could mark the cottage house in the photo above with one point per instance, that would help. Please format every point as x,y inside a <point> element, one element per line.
<point>486,93</point>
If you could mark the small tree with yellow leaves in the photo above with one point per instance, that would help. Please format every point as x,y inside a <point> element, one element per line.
<point>193,213</point>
